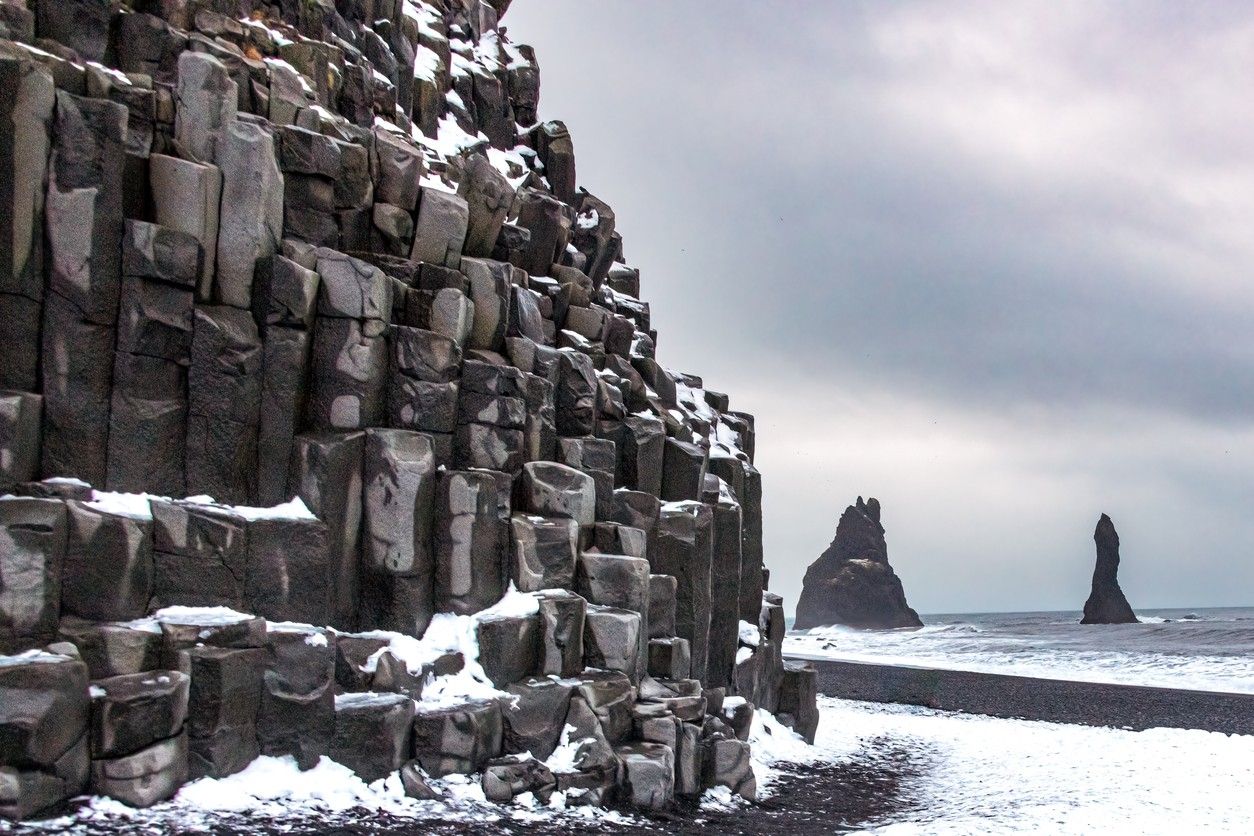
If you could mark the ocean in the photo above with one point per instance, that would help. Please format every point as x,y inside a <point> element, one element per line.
<point>955,773</point>
<point>1201,649</point>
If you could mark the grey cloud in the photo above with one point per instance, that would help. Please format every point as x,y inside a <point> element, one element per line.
<point>975,209</point>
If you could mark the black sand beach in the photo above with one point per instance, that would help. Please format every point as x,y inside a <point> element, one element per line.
<point>1029,698</point>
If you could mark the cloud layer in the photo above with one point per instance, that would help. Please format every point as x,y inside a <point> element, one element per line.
<point>989,262</point>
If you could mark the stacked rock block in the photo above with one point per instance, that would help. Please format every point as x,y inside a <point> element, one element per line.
<point>257,252</point>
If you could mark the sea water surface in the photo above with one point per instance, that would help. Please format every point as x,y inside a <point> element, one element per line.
<point>1200,649</point>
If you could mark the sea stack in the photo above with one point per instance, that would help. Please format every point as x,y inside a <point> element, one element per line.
<point>1106,603</point>
<point>851,583</point>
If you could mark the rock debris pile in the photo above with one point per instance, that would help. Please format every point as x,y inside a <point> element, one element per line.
<point>331,425</point>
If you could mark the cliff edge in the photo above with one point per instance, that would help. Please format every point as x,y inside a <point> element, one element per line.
<point>334,425</point>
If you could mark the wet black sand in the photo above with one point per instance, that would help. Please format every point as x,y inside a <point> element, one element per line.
<point>1029,698</point>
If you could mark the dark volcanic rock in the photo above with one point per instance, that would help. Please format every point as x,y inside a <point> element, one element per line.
<point>134,711</point>
<point>1106,604</point>
<point>459,738</point>
<point>851,583</point>
<point>205,294</point>
<point>372,733</point>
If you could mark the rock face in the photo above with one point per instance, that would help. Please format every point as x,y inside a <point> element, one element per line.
<point>1106,603</point>
<point>851,583</point>
<point>315,278</point>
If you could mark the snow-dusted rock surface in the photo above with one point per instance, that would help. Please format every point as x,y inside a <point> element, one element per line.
<point>884,769</point>
<point>335,427</point>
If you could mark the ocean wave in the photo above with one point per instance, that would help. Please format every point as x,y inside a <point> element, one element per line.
<point>1202,654</point>
<point>837,631</point>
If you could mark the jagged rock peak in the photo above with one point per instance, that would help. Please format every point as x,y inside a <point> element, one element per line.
<point>852,582</point>
<point>1106,603</point>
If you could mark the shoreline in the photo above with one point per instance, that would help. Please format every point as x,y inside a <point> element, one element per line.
<point>1009,696</point>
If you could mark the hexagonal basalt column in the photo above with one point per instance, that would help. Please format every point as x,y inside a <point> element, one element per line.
<point>469,568</point>
<point>544,551</point>
<point>32,550</point>
<point>457,739</point>
<point>555,490</point>
<point>108,566</point>
<point>684,551</point>
<point>398,564</point>
<point>43,731</point>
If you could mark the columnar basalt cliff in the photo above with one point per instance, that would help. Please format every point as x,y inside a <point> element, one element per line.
<point>1106,603</point>
<point>851,583</point>
<point>333,425</point>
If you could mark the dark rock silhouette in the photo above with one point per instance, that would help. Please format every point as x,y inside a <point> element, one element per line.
<point>1106,603</point>
<point>852,583</point>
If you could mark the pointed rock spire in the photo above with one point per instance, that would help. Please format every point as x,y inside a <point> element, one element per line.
<point>1106,603</point>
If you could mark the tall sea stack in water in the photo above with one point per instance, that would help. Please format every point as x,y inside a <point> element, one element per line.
<point>1106,603</point>
<point>851,583</point>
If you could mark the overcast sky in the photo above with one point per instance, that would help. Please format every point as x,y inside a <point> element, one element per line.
<point>990,262</point>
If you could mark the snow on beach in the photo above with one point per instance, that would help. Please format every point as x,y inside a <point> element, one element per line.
<point>981,775</point>
<point>957,774</point>
<point>969,774</point>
